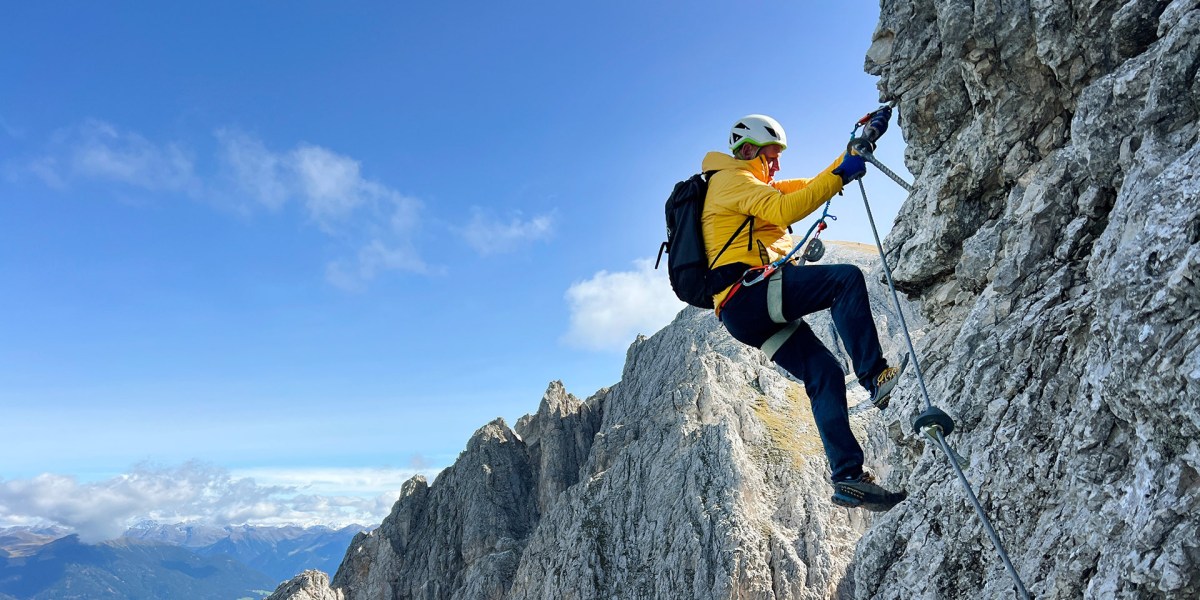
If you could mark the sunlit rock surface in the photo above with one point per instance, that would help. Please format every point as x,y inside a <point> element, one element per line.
<point>699,475</point>
<point>1054,242</point>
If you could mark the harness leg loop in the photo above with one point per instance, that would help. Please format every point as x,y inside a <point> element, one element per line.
<point>775,342</point>
<point>775,296</point>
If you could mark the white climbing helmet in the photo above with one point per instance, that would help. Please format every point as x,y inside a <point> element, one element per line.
<point>759,130</point>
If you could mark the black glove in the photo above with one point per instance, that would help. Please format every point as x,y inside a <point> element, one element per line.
<point>878,124</point>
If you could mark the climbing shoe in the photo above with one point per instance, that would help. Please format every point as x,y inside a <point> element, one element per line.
<point>885,382</point>
<point>862,492</point>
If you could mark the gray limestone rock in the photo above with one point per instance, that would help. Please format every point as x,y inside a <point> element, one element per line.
<point>309,585</point>
<point>1053,243</point>
<point>699,475</point>
<point>460,537</point>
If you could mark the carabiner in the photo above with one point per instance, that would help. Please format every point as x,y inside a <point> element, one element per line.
<point>767,271</point>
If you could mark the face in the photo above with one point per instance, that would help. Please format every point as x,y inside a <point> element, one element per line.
<point>771,155</point>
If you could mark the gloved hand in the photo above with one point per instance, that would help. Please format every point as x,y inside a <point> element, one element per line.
<point>852,167</point>
<point>878,124</point>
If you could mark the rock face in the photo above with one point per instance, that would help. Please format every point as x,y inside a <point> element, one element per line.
<point>699,475</point>
<point>309,585</point>
<point>1054,243</point>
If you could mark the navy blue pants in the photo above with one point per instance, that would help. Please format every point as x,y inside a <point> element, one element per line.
<point>808,289</point>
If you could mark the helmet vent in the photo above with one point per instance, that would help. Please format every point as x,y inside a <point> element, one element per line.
<point>759,130</point>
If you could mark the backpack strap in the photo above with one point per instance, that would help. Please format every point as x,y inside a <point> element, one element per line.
<point>750,220</point>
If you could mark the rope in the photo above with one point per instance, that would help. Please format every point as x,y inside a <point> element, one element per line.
<point>951,456</point>
<point>770,268</point>
<point>819,226</point>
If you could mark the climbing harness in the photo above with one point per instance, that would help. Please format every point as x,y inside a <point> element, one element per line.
<point>813,232</point>
<point>933,422</point>
<point>814,249</point>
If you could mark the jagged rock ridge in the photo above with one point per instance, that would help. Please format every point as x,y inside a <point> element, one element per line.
<point>699,475</point>
<point>309,585</point>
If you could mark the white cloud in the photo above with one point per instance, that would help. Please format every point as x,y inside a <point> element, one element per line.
<point>99,150</point>
<point>374,224</point>
<point>373,258</point>
<point>196,492</point>
<point>331,183</point>
<point>375,220</point>
<point>329,481</point>
<point>254,169</point>
<point>610,309</point>
<point>489,234</point>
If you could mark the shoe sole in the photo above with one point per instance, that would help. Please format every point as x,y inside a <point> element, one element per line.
<point>851,502</point>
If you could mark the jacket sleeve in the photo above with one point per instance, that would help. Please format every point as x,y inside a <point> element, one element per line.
<point>750,196</point>
<point>788,186</point>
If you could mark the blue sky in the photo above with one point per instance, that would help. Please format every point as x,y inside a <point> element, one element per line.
<point>277,239</point>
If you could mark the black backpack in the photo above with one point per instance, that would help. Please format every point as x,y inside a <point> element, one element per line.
<point>691,274</point>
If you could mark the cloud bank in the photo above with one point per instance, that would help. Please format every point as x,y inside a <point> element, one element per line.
<point>197,492</point>
<point>610,309</point>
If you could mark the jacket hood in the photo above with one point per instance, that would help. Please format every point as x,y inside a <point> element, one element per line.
<point>719,161</point>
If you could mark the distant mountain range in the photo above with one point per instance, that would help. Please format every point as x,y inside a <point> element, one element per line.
<point>156,561</point>
<point>279,552</point>
<point>21,541</point>
<point>66,569</point>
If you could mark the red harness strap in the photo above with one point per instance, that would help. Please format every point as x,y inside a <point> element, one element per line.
<point>737,286</point>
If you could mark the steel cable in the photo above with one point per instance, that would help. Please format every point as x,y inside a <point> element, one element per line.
<point>951,455</point>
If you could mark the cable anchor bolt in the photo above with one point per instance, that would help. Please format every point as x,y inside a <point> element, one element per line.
<point>933,421</point>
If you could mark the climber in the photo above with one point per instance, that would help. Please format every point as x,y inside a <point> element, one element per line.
<point>744,185</point>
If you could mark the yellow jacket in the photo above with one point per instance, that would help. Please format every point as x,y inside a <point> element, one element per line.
<point>742,188</point>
